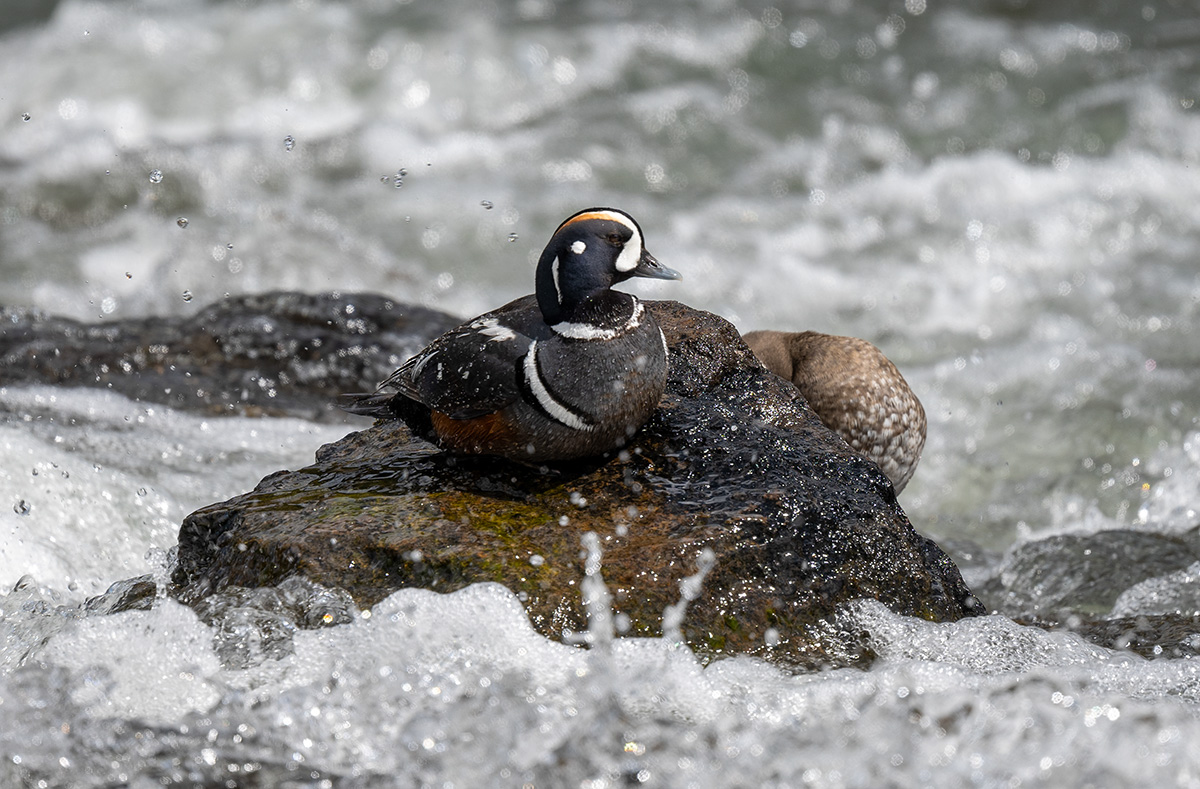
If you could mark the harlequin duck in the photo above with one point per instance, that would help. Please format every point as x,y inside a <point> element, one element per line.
<point>571,371</point>
<point>855,391</point>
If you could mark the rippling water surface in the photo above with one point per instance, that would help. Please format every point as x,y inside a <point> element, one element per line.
<point>1002,195</point>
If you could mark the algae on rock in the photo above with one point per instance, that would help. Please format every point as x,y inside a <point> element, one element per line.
<point>733,461</point>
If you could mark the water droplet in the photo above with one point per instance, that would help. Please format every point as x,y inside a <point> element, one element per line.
<point>156,176</point>
<point>141,491</point>
<point>128,275</point>
<point>512,237</point>
<point>289,142</point>
<point>182,221</point>
<point>398,178</point>
<point>229,246</point>
<point>25,116</point>
<point>488,204</point>
<point>187,295</point>
<point>22,507</point>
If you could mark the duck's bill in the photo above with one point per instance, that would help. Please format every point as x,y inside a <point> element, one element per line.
<point>651,269</point>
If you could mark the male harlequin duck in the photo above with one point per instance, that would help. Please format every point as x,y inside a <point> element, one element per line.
<point>571,371</point>
<point>855,391</point>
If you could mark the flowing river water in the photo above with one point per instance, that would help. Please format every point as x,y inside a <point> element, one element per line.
<point>1003,195</point>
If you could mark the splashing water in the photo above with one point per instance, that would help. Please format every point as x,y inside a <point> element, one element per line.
<point>998,197</point>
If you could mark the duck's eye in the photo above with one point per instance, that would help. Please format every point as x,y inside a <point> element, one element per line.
<point>616,240</point>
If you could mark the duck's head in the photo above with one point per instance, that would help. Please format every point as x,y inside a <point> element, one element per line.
<point>590,252</point>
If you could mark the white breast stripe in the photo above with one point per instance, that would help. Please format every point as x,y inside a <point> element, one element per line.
<point>554,408</point>
<point>586,331</point>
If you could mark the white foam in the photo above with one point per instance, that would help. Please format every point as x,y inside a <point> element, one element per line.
<point>459,687</point>
<point>92,480</point>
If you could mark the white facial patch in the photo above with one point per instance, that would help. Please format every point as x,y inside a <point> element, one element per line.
<point>631,255</point>
<point>491,328</point>
<point>578,247</point>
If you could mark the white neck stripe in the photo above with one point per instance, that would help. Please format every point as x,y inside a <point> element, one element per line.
<point>557,411</point>
<point>554,278</point>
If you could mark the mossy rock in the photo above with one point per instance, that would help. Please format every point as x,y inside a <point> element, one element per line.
<point>733,461</point>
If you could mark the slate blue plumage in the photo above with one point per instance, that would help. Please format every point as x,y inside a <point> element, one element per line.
<point>571,371</point>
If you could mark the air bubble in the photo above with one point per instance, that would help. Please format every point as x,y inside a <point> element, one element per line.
<point>398,178</point>
<point>487,204</point>
<point>289,142</point>
<point>512,237</point>
<point>156,176</point>
<point>25,116</point>
<point>182,221</point>
<point>22,507</point>
<point>187,295</point>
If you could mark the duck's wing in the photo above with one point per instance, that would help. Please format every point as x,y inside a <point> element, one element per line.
<point>472,370</point>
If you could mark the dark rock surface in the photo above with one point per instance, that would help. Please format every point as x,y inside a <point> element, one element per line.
<point>269,353</point>
<point>1151,636</point>
<point>1081,575</point>
<point>733,461</point>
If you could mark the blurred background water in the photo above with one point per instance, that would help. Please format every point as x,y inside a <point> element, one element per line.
<point>1001,194</point>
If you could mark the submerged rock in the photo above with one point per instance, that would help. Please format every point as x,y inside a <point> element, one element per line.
<point>1082,575</point>
<point>268,353</point>
<point>734,461</point>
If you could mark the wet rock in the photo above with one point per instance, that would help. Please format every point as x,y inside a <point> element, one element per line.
<point>734,461</point>
<point>1082,575</point>
<point>1151,636</point>
<point>1122,589</point>
<point>270,353</point>
<point>131,594</point>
